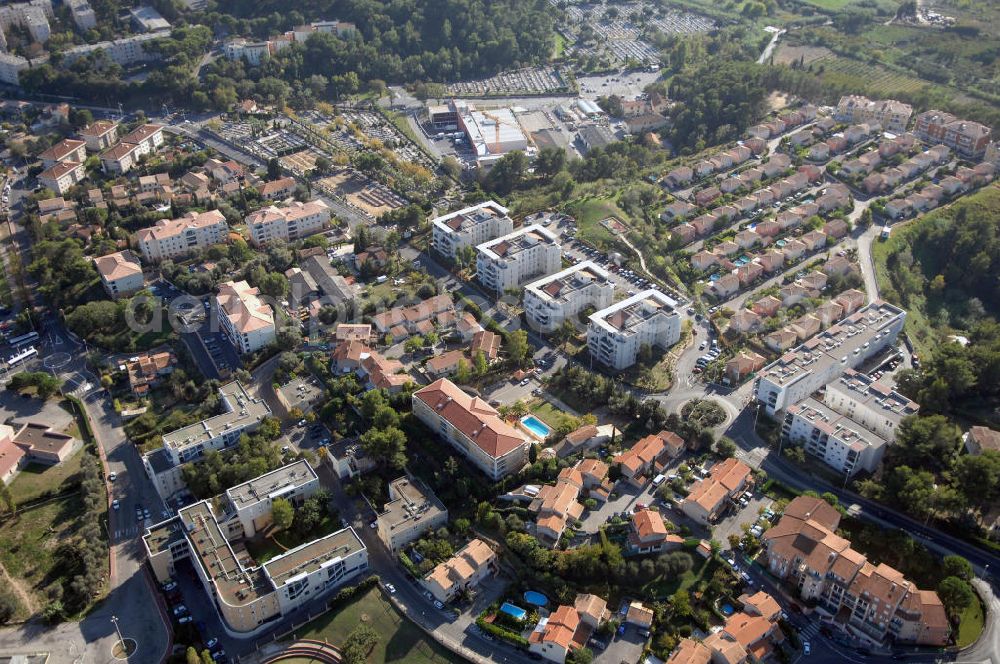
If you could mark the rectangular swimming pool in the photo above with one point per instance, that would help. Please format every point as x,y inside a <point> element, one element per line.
<point>535,426</point>
<point>514,611</point>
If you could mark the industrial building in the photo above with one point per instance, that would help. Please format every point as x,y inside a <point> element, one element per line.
<point>491,134</point>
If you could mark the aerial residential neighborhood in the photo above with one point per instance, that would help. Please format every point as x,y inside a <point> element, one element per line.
<point>500,331</point>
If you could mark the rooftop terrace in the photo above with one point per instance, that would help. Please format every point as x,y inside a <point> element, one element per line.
<point>272,485</point>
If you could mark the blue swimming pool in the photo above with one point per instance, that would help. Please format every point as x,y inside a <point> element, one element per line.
<point>535,598</point>
<point>514,611</point>
<point>781,243</point>
<point>535,426</point>
<point>727,609</point>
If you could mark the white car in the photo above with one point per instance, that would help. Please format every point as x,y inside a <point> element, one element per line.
<point>391,588</point>
<point>806,648</point>
<point>112,477</point>
<point>115,505</point>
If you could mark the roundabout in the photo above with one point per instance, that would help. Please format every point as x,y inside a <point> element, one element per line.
<point>56,361</point>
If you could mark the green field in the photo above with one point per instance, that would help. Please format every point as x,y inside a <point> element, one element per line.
<point>971,625</point>
<point>399,639</point>
<point>847,73</point>
<point>28,544</point>
<point>589,213</point>
<point>36,479</point>
<point>549,414</point>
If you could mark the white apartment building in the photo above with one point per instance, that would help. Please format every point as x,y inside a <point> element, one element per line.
<point>61,177</point>
<point>148,137</point>
<point>469,227</point>
<point>873,405</point>
<point>121,274</point>
<point>473,427</point>
<point>68,149</point>
<point>100,135</point>
<point>241,413</point>
<point>514,259</point>
<point>170,238</point>
<point>824,357</point>
<point>124,51</point>
<point>12,65</point>
<point>617,333</point>
<point>287,224</point>
<point>253,52</point>
<point>892,115</point>
<point>560,296</point>
<point>251,597</point>
<point>412,510</point>
<point>835,439</point>
<point>248,322</point>
<point>83,15</point>
<point>251,501</point>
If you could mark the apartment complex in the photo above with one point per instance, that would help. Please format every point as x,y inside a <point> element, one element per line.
<point>560,296</point>
<point>248,322</point>
<point>100,135</point>
<point>248,596</point>
<point>68,149</point>
<point>617,333</point>
<point>892,115</point>
<point>514,259</point>
<point>241,414</point>
<point>251,501</point>
<point>967,138</point>
<point>852,425</point>
<point>289,223</point>
<point>412,510</point>
<point>823,358</point>
<point>121,157</point>
<point>171,238</point>
<point>61,177</point>
<point>463,571</point>
<point>473,427</point>
<point>469,227</point>
<point>869,601</point>
<point>123,51</point>
<point>121,274</point>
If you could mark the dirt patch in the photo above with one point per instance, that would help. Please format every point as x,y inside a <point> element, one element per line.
<point>777,101</point>
<point>787,55</point>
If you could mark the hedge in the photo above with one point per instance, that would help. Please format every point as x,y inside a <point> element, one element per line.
<point>501,633</point>
<point>85,428</point>
<point>347,594</point>
<point>408,565</point>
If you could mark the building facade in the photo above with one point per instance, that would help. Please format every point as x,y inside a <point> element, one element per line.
<point>247,322</point>
<point>473,427</point>
<point>617,333</point>
<point>469,227</point>
<point>121,273</point>
<point>514,259</point>
<point>171,238</point>
<point>560,296</point>
<point>287,224</point>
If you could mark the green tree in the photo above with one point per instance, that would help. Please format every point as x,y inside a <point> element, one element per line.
<point>282,513</point>
<point>517,347</point>
<point>725,448</point>
<point>955,594</point>
<point>359,644</point>
<point>462,372</point>
<point>192,656</point>
<point>957,566</point>
<point>387,446</point>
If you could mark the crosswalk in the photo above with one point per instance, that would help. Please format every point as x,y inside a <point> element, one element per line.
<point>809,631</point>
<point>127,532</point>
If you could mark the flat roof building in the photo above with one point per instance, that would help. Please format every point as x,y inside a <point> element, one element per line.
<point>252,500</point>
<point>241,413</point>
<point>560,296</point>
<point>617,333</point>
<point>469,227</point>
<point>412,510</point>
<point>249,597</point>
<point>823,358</point>
<point>514,259</point>
<point>491,134</point>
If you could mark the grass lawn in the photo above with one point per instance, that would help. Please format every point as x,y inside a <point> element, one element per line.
<point>399,639</point>
<point>665,586</point>
<point>263,549</point>
<point>35,479</point>
<point>970,625</point>
<point>559,47</point>
<point>28,543</point>
<point>589,213</point>
<point>549,414</point>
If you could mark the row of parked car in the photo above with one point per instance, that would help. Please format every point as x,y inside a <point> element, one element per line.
<point>183,617</point>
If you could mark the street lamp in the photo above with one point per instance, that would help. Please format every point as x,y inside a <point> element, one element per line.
<point>121,640</point>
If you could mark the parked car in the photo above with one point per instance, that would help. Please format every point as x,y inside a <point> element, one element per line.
<point>180,609</point>
<point>183,620</point>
